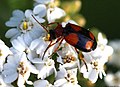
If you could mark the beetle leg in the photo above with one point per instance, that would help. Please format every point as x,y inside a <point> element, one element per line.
<point>50,44</point>
<point>82,58</point>
<point>56,49</point>
<point>47,49</point>
<point>76,50</point>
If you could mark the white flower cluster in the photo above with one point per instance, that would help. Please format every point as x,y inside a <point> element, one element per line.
<point>24,58</point>
<point>113,76</point>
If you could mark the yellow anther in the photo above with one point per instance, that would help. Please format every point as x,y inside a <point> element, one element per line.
<point>25,25</point>
<point>96,63</point>
<point>0,53</point>
<point>68,59</point>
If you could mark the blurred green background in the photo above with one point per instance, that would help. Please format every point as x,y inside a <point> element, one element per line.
<point>102,14</point>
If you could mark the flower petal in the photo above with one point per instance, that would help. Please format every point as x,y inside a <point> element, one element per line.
<point>17,45</point>
<point>18,13</point>
<point>14,22</point>
<point>27,38</point>
<point>43,1</point>
<point>51,16</point>
<point>20,39</point>
<point>28,13</point>
<point>35,33</point>
<point>60,82</point>
<point>34,44</point>
<point>93,76</point>
<point>10,77</point>
<point>42,83</point>
<point>32,68</point>
<point>110,52</point>
<point>42,46</point>
<point>40,9</point>
<point>20,81</point>
<point>102,40</point>
<point>61,73</point>
<point>26,77</point>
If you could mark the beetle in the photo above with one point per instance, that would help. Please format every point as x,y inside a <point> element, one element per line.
<point>79,37</point>
<point>75,35</point>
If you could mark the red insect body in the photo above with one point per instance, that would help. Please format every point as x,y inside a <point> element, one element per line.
<point>76,36</point>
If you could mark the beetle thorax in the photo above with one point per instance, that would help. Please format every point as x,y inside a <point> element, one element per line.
<point>58,32</point>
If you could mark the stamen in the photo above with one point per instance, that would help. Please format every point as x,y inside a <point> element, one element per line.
<point>69,78</point>
<point>48,63</point>
<point>0,52</point>
<point>21,69</point>
<point>95,65</point>
<point>68,59</point>
<point>25,25</point>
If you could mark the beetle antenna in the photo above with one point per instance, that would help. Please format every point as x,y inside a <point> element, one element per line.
<point>40,23</point>
<point>53,23</point>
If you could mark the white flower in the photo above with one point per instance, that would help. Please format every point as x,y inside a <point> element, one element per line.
<point>68,57</point>
<point>34,51</point>
<point>69,21</point>
<point>113,79</point>
<point>19,45</point>
<point>3,84</point>
<point>39,46</point>
<point>101,39</point>
<point>42,83</point>
<point>18,66</point>
<point>95,68</point>
<point>24,23</point>
<point>96,59</point>
<point>46,67</point>
<point>4,52</point>
<point>102,44</point>
<point>54,13</point>
<point>66,78</point>
<point>44,1</point>
<point>40,10</point>
<point>115,59</point>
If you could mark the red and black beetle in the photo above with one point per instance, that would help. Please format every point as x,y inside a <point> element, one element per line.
<point>76,36</point>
